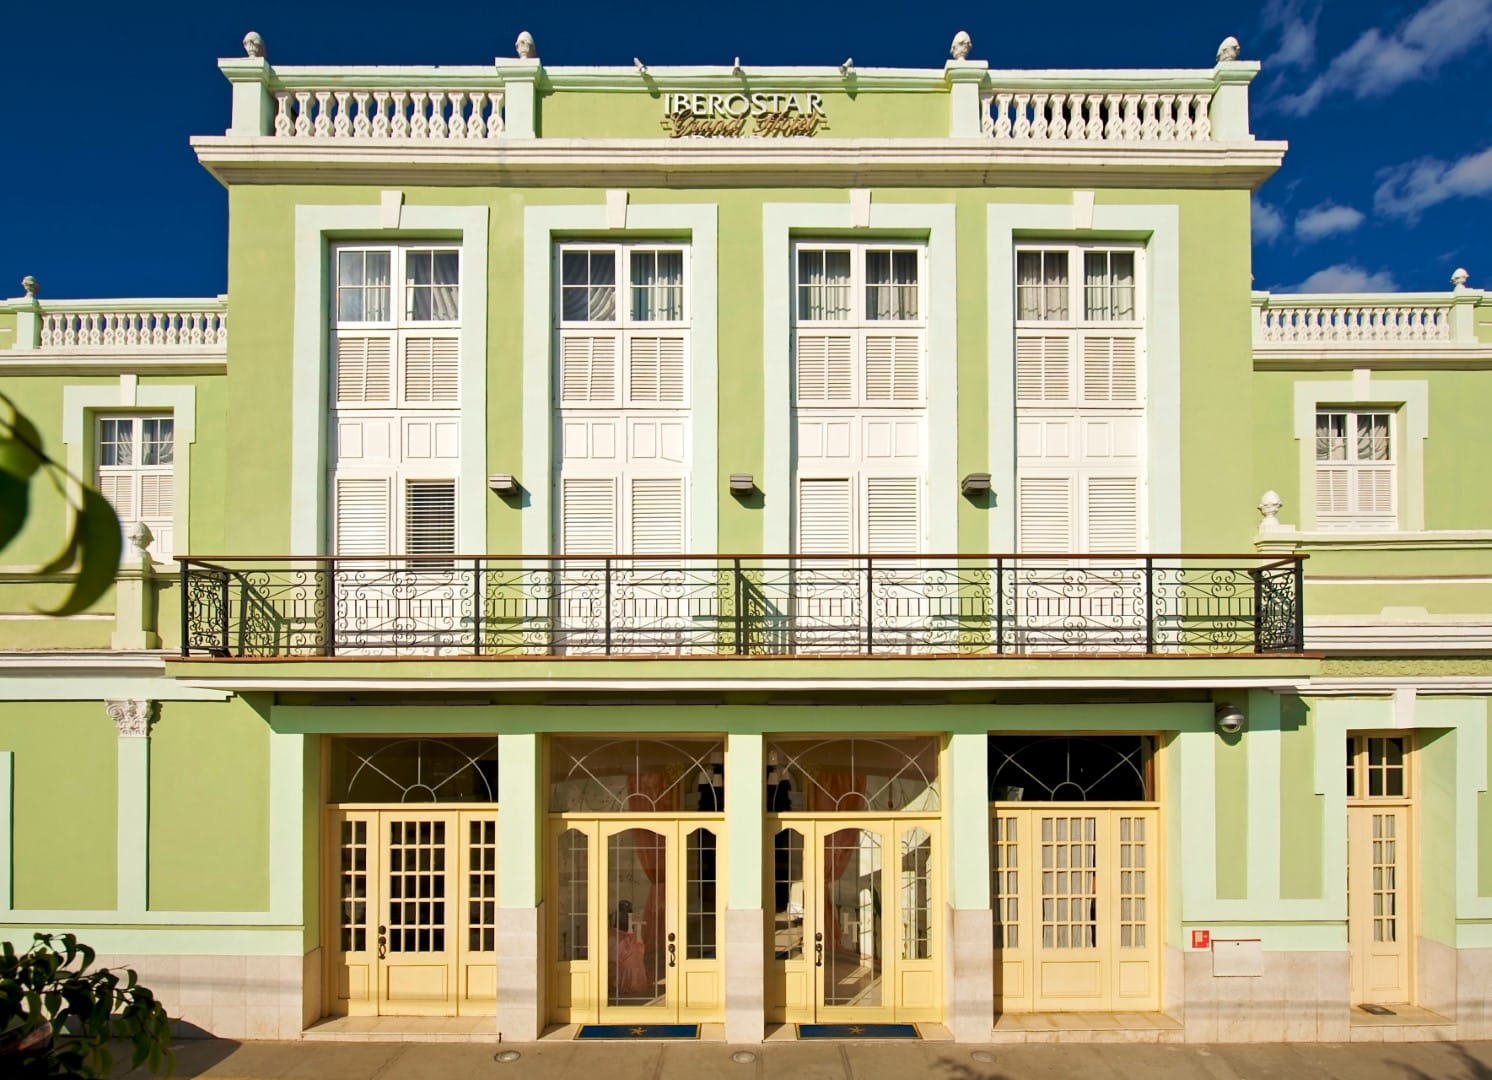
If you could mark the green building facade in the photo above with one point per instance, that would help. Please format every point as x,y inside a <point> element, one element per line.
<point>903,452</point>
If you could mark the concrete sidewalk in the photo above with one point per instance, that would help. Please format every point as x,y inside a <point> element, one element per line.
<point>827,1061</point>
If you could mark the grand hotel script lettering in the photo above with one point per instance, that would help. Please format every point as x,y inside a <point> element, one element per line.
<point>764,115</point>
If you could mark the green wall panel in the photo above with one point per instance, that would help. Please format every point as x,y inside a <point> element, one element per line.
<point>1232,795</point>
<point>1440,848</point>
<point>209,808</point>
<point>1301,809</point>
<point>1484,824</point>
<point>65,833</point>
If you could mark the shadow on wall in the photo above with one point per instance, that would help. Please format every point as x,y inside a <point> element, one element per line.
<point>1470,1067</point>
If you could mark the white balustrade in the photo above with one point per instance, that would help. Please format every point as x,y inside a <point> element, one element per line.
<point>139,329</point>
<point>1097,116</point>
<point>1325,324</point>
<point>421,115</point>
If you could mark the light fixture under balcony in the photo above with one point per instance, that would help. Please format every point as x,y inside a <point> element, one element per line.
<point>975,484</point>
<point>502,484</point>
<point>742,483</point>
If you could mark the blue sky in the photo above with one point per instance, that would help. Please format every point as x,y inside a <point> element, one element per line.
<point>1387,185</point>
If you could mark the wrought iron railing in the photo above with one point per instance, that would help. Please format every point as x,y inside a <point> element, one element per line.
<point>741,605</point>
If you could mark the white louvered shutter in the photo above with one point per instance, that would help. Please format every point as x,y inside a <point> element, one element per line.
<point>655,373</point>
<point>1043,368</point>
<point>1332,486</point>
<point>657,516</point>
<point>1113,515</point>
<point>120,490</point>
<point>825,526</point>
<point>430,517</point>
<point>431,370</point>
<point>892,515</point>
<point>588,369</point>
<point>362,519</point>
<point>1111,368</point>
<point>1374,490</point>
<point>1044,514</point>
<point>825,368</point>
<point>588,524</point>
<point>364,370</point>
<point>893,368</point>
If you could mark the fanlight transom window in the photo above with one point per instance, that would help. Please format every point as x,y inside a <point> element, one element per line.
<point>853,775</point>
<point>1081,768</point>
<point>648,776</point>
<point>414,770</point>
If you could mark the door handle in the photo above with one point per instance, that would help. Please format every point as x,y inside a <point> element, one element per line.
<point>673,951</point>
<point>383,942</point>
<point>818,949</point>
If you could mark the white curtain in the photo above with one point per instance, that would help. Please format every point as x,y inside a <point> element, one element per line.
<point>658,286</point>
<point>823,285</point>
<point>588,286</point>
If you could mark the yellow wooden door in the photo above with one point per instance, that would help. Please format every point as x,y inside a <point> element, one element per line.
<point>636,921</point>
<point>1074,900</point>
<point>417,934</point>
<point>476,914</point>
<point>1378,927</point>
<point>852,906</point>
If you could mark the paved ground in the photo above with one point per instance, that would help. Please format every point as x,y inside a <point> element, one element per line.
<point>828,1061</point>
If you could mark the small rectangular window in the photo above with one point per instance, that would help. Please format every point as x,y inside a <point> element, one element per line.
<point>1109,286</point>
<point>432,285</point>
<point>823,285</point>
<point>1041,285</point>
<point>363,285</point>
<point>430,517</point>
<point>657,286</point>
<point>891,285</point>
<point>1356,471</point>
<point>134,469</point>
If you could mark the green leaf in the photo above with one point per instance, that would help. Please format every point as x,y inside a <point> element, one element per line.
<point>99,541</point>
<point>21,451</point>
<point>15,504</point>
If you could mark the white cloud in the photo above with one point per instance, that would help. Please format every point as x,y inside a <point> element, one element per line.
<point>1379,62</point>
<point>1326,220</point>
<point>1415,186</point>
<point>1344,277</point>
<point>1297,30</point>
<point>1267,222</point>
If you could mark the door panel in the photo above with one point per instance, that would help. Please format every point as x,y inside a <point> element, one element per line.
<point>635,921</point>
<point>412,917</point>
<point>1076,926</point>
<point>1378,903</point>
<point>851,921</point>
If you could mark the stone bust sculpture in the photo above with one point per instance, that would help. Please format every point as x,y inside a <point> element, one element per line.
<point>525,46</point>
<point>1228,50</point>
<point>962,43</point>
<point>253,44</point>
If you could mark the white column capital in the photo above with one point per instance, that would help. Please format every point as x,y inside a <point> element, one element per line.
<point>132,717</point>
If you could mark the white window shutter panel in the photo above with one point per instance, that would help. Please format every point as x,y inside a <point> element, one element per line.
<point>1044,514</point>
<point>655,374</point>
<point>824,523</point>
<point>1113,515</point>
<point>1043,367</point>
<point>588,524</point>
<point>430,517</point>
<point>362,516</point>
<point>825,368</point>
<point>1110,368</point>
<point>1375,491</point>
<point>657,516</point>
<point>893,523</point>
<point>431,370</point>
<point>364,370</point>
<point>1331,491</point>
<point>892,368</point>
<point>119,490</point>
<point>157,497</point>
<point>588,369</point>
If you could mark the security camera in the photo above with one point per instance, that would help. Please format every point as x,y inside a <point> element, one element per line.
<point>1228,718</point>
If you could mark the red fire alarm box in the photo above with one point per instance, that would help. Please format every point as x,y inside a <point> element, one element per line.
<point>1201,939</point>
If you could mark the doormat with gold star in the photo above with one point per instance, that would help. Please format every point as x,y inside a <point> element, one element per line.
<point>858,1031</point>
<point>638,1031</point>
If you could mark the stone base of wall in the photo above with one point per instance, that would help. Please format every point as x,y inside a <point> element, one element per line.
<point>520,976</point>
<point>1301,997</point>
<point>230,997</point>
<point>745,975</point>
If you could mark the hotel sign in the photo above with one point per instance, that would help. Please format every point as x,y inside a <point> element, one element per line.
<point>762,115</point>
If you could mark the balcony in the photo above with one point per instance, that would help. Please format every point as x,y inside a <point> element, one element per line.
<point>69,336</point>
<point>764,606</point>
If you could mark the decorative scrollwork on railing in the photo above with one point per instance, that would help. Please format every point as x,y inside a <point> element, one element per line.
<point>743,606</point>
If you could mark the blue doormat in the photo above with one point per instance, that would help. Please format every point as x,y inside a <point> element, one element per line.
<point>858,1031</point>
<point>638,1031</point>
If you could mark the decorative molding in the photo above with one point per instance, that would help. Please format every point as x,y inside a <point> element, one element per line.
<point>1353,633</point>
<point>132,717</point>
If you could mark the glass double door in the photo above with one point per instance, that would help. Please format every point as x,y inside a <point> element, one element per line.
<point>635,920</point>
<point>850,920</point>
<point>412,924</point>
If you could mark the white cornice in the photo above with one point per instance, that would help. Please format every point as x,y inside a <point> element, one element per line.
<point>98,360</point>
<point>1356,686</point>
<point>1360,634</point>
<point>602,685</point>
<point>1405,356</point>
<point>665,162</point>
